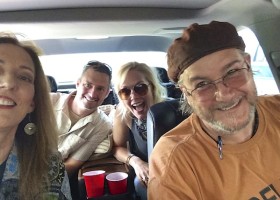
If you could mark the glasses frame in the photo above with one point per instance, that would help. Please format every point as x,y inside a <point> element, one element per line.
<point>221,79</point>
<point>126,96</point>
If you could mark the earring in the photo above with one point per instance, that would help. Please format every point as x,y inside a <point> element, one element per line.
<point>30,128</point>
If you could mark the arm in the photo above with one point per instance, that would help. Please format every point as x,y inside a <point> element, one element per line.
<point>72,166</point>
<point>120,138</point>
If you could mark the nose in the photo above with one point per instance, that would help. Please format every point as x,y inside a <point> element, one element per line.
<point>222,91</point>
<point>7,81</point>
<point>93,91</point>
<point>133,93</point>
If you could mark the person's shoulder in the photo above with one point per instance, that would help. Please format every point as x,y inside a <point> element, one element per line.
<point>100,117</point>
<point>181,134</point>
<point>183,130</point>
<point>57,97</point>
<point>269,100</point>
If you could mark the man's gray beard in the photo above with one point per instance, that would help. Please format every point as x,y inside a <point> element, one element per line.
<point>221,129</point>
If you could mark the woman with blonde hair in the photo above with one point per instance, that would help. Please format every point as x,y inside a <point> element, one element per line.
<point>138,89</point>
<point>30,166</point>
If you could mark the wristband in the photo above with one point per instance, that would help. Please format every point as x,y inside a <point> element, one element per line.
<point>128,159</point>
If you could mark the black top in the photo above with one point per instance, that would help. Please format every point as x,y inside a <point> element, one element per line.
<point>138,139</point>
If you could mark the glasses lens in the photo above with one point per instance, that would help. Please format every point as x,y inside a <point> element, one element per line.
<point>232,80</point>
<point>141,89</point>
<point>124,93</point>
<point>204,93</point>
<point>237,79</point>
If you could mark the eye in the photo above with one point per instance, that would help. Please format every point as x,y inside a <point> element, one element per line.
<point>232,71</point>
<point>87,85</point>
<point>141,85</point>
<point>101,89</point>
<point>26,78</point>
<point>202,85</point>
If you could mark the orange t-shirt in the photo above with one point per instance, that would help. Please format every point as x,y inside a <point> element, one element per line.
<point>185,162</point>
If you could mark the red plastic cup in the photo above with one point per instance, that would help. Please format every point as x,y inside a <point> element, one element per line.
<point>94,181</point>
<point>117,182</point>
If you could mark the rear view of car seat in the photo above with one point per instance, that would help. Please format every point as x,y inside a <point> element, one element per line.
<point>53,84</point>
<point>172,90</point>
<point>161,118</point>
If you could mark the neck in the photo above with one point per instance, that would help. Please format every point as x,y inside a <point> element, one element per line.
<point>234,137</point>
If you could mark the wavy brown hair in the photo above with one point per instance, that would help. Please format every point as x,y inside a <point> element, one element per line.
<point>34,150</point>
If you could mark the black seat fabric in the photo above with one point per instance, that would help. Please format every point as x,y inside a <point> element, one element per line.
<point>53,84</point>
<point>172,90</point>
<point>161,118</point>
<point>162,74</point>
<point>112,98</point>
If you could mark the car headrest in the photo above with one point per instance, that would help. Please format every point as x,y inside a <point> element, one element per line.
<point>161,118</point>
<point>53,84</point>
<point>162,74</point>
<point>172,90</point>
<point>112,98</point>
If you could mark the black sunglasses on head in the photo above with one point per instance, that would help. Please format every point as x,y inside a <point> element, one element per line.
<point>95,62</point>
<point>140,89</point>
<point>100,67</point>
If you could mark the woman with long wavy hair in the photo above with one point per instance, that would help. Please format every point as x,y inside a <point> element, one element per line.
<point>30,165</point>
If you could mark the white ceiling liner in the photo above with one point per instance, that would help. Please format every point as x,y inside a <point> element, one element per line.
<point>8,5</point>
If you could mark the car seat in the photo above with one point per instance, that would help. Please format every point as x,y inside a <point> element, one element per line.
<point>52,83</point>
<point>172,90</point>
<point>161,118</point>
<point>112,98</point>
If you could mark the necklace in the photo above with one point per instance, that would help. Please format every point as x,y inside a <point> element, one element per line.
<point>220,141</point>
<point>142,128</point>
<point>256,124</point>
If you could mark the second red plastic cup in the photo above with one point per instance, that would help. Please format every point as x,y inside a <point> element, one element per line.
<point>117,182</point>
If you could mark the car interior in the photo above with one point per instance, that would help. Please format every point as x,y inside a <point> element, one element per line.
<point>72,32</point>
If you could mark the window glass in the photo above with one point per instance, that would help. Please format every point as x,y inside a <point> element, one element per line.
<point>66,68</point>
<point>262,74</point>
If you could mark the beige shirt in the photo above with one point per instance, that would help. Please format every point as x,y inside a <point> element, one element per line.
<point>81,140</point>
<point>185,162</point>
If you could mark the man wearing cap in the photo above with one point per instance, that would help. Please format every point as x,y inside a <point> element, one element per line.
<point>229,147</point>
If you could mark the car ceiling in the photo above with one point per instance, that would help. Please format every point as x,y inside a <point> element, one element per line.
<point>42,19</point>
<point>8,5</point>
<point>60,26</point>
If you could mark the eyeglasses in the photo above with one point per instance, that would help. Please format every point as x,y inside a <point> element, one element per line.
<point>234,78</point>
<point>140,89</point>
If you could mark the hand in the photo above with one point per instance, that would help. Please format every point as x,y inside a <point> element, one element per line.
<point>141,169</point>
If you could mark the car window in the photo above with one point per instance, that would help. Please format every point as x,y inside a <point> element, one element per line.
<point>66,68</point>
<point>262,74</point>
